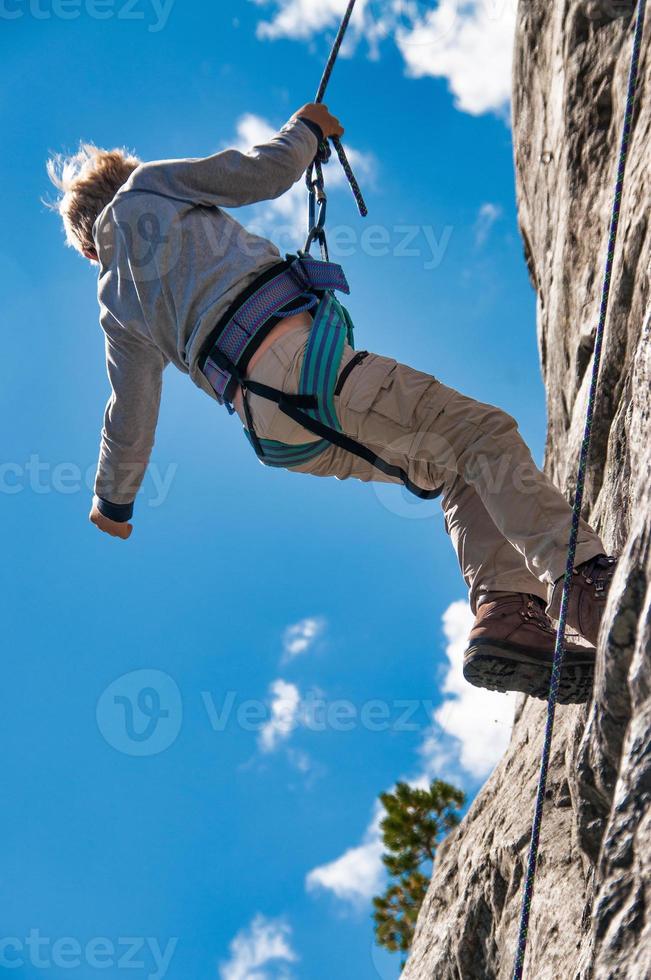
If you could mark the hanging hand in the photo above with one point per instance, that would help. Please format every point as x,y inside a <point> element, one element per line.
<point>318,113</point>
<point>117,529</point>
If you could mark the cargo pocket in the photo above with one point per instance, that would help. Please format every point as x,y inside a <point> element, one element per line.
<point>365,388</point>
<point>365,382</point>
<point>384,404</point>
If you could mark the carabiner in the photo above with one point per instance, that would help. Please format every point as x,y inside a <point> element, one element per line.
<point>317,213</point>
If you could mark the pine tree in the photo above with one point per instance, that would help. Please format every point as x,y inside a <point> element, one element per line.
<point>415,821</point>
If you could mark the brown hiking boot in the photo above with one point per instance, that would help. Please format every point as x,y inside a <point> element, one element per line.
<point>511,648</point>
<point>588,594</point>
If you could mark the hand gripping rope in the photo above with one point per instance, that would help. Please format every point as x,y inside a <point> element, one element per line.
<point>314,177</point>
<point>578,499</point>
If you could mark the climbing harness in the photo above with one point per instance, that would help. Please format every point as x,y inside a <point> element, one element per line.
<point>288,288</point>
<point>578,499</point>
<point>301,283</point>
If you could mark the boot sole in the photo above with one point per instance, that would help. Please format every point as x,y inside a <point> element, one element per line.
<point>502,667</point>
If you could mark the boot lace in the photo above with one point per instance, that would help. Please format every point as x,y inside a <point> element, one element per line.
<point>535,613</point>
<point>598,571</point>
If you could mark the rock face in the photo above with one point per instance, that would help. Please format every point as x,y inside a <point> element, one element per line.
<point>591,915</point>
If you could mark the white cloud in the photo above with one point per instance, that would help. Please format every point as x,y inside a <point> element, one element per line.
<point>285,219</point>
<point>467,42</point>
<point>252,130</point>
<point>488,215</point>
<point>301,761</point>
<point>358,874</point>
<point>479,722</point>
<point>266,943</point>
<point>469,732</point>
<point>301,19</point>
<point>301,636</point>
<point>285,712</point>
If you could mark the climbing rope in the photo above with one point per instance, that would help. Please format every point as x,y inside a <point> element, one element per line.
<point>578,499</point>
<point>314,177</point>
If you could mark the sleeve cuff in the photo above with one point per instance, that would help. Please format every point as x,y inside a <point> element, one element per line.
<point>314,127</point>
<point>121,513</point>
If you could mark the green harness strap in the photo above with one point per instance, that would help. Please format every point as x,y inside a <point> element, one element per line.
<point>331,330</point>
<point>313,408</point>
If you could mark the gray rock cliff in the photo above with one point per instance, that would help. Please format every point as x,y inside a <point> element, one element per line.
<point>591,917</point>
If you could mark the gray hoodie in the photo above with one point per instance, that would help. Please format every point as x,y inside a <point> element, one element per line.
<point>171,263</point>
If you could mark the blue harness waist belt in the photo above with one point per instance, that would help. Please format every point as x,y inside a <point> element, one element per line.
<point>301,283</point>
<point>286,289</point>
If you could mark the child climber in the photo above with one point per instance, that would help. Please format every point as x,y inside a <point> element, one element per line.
<point>181,281</point>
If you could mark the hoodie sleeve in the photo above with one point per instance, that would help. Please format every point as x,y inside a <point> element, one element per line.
<point>233,178</point>
<point>135,369</point>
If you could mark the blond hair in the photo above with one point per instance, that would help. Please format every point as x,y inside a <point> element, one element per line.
<point>88,180</point>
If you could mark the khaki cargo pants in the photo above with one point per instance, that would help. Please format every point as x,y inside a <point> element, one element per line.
<point>508,523</point>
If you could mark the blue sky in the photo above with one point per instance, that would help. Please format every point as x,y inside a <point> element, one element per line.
<point>302,636</point>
